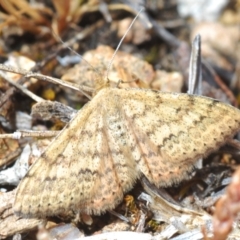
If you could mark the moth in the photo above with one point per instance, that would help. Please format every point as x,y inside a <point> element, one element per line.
<point>115,138</point>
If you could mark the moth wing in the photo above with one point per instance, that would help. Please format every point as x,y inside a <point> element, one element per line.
<point>169,132</point>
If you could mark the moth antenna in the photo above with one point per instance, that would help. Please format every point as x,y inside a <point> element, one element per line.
<point>120,43</point>
<point>68,47</point>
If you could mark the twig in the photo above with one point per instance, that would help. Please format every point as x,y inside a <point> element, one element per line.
<point>21,88</point>
<point>39,76</point>
<point>22,134</point>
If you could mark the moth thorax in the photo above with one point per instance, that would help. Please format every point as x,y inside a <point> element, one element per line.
<point>100,84</point>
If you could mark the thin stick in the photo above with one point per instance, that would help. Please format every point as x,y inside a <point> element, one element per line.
<point>61,82</point>
<point>20,87</point>
<point>23,133</point>
<point>39,76</point>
